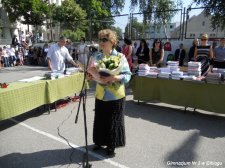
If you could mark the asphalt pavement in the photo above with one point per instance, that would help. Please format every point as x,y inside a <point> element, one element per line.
<point>158,135</point>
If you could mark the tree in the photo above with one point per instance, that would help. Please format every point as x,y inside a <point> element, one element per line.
<point>215,9</point>
<point>32,12</point>
<point>135,29</point>
<point>99,13</point>
<point>118,31</point>
<point>70,15</point>
<point>157,12</point>
<point>73,35</point>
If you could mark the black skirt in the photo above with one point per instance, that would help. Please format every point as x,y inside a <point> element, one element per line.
<point>109,129</point>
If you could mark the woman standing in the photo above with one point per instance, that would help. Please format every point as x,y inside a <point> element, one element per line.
<point>143,52</point>
<point>156,53</point>
<point>109,129</point>
<point>203,54</point>
<point>191,52</point>
<point>127,51</point>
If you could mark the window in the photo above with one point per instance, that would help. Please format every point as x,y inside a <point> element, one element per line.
<point>192,35</point>
<point>171,26</point>
<point>203,23</point>
<point>212,35</point>
<point>1,32</point>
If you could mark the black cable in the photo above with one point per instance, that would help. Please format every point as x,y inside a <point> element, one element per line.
<point>67,141</point>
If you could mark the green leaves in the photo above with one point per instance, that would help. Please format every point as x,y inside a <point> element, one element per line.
<point>70,15</point>
<point>32,12</point>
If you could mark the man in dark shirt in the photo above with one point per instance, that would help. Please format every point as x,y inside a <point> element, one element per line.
<point>180,55</point>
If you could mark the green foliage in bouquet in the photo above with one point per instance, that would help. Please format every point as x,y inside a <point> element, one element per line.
<point>109,62</point>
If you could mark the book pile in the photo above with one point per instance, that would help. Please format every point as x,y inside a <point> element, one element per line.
<point>143,70</point>
<point>188,77</point>
<point>214,78</point>
<point>153,72</point>
<point>54,75</point>
<point>173,65</point>
<point>164,73</point>
<point>176,75</point>
<point>194,68</point>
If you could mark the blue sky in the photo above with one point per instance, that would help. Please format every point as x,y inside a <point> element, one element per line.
<point>122,21</point>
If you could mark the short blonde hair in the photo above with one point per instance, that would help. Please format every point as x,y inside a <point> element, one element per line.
<point>204,36</point>
<point>109,34</point>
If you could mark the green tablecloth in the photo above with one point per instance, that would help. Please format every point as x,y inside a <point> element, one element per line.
<point>209,97</point>
<point>60,88</point>
<point>21,97</point>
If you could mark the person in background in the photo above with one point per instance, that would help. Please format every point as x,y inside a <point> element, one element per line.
<point>82,51</point>
<point>5,57</point>
<point>156,53</point>
<point>127,51</point>
<point>69,46</point>
<point>219,55</point>
<point>180,54</point>
<point>58,54</point>
<point>109,128</point>
<point>19,55</point>
<point>15,41</point>
<point>143,52</point>
<point>12,55</point>
<point>191,52</point>
<point>1,61</point>
<point>203,54</point>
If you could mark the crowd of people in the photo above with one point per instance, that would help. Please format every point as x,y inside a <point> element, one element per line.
<point>22,51</point>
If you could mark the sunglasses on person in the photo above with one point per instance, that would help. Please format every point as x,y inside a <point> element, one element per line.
<point>103,40</point>
<point>204,39</point>
<point>157,42</point>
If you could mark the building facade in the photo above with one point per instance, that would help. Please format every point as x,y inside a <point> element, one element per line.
<point>41,33</point>
<point>197,25</point>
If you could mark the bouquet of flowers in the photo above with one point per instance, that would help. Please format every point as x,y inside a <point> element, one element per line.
<point>109,65</point>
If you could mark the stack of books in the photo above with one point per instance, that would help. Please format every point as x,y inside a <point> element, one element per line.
<point>143,70</point>
<point>194,68</point>
<point>153,72</point>
<point>54,75</point>
<point>214,78</point>
<point>176,75</point>
<point>173,65</point>
<point>187,77</point>
<point>164,73</point>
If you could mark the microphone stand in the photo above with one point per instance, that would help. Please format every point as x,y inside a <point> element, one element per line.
<point>83,98</point>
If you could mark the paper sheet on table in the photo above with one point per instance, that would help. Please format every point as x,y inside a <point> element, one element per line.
<point>32,79</point>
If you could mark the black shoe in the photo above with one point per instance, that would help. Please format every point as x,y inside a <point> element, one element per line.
<point>110,152</point>
<point>96,147</point>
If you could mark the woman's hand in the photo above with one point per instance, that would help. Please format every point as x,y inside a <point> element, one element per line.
<point>89,76</point>
<point>107,80</point>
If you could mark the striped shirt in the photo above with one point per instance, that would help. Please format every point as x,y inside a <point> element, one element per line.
<point>203,51</point>
<point>116,90</point>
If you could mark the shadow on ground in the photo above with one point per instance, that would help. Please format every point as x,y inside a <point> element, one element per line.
<point>69,157</point>
<point>208,125</point>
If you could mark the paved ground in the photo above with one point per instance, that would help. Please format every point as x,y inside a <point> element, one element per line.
<point>158,135</point>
